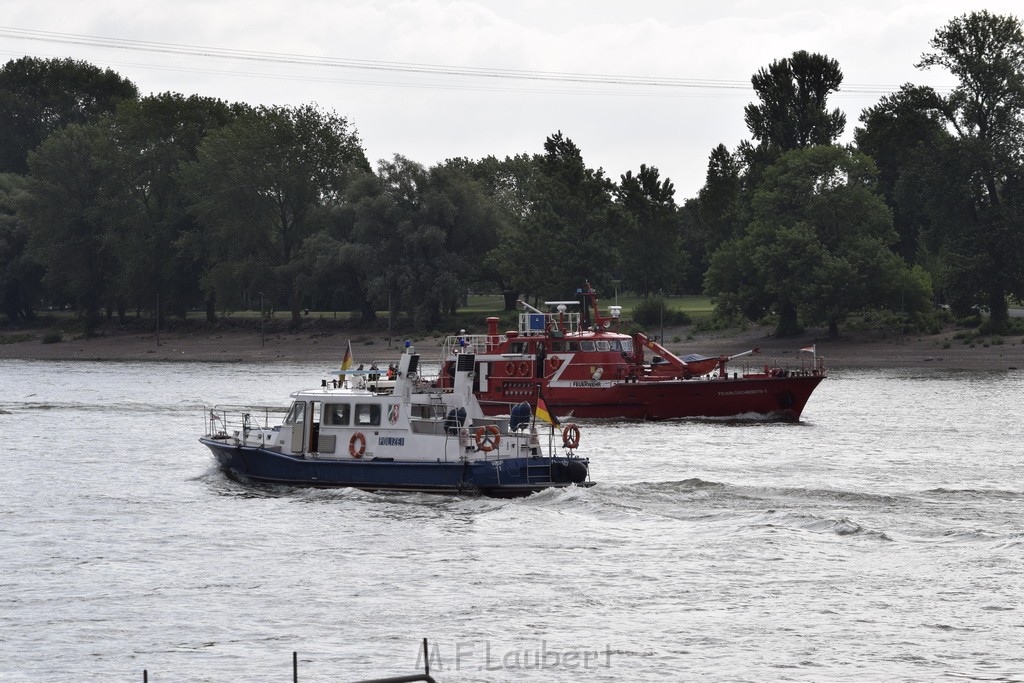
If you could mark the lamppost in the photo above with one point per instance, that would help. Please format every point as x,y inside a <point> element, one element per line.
<point>661,301</point>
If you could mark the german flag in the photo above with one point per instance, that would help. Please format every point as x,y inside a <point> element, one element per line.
<point>544,414</point>
<point>346,361</point>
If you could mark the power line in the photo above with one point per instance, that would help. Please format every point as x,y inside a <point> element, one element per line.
<point>660,85</point>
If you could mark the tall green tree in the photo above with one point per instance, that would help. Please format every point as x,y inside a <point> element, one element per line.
<point>444,228</point>
<point>817,248</point>
<point>985,247</point>
<point>67,209</point>
<point>900,132</point>
<point>791,113</point>
<point>40,96</point>
<point>508,183</point>
<point>154,137</point>
<point>574,226</point>
<point>361,236</point>
<point>652,259</point>
<point>793,110</point>
<point>263,184</point>
<point>20,274</point>
<point>720,211</point>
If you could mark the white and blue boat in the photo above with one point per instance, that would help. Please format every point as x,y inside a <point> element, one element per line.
<point>402,434</point>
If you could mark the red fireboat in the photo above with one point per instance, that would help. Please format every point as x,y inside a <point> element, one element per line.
<point>584,367</point>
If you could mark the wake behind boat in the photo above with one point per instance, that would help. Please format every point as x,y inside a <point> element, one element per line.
<point>585,367</point>
<point>402,434</point>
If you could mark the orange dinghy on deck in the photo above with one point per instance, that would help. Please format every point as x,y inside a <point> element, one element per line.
<point>585,367</point>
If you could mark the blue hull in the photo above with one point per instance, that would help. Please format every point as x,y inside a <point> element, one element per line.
<point>499,478</point>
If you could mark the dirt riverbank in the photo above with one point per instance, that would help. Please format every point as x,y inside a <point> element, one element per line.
<point>860,350</point>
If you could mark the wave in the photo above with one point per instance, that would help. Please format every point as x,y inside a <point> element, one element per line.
<point>804,493</point>
<point>713,506</point>
<point>119,407</point>
<point>792,520</point>
<point>999,494</point>
<point>1011,541</point>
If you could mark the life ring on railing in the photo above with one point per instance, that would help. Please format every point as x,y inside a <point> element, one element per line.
<point>487,438</point>
<point>353,450</point>
<point>571,436</point>
<point>524,369</point>
<point>555,361</point>
<point>510,369</point>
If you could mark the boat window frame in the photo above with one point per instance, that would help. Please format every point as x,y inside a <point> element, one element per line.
<point>374,415</point>
<point>338,414</point>
<point>296,414</point>
<point>602,345</point>
<point>584,343</point>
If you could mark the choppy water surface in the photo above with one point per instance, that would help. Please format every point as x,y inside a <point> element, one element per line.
<point>880,538</point>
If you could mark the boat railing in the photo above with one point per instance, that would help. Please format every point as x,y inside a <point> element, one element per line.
<point>532,323</point>
<point>806,366</point>
<point>470,343</point>
<point>240,421</point>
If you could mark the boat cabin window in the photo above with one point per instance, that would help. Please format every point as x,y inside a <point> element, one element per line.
<point>297,415</point>
<point>574,346</point>
<point>586,346</point>
<point>627,345</point>
<point>558,347</point>
<point>337,413</point>
<point>428,412</point>
<point>517,347</point>
<point>367,414</point>
<point>603,345</point>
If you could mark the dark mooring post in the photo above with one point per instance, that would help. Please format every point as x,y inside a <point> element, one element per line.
<point>145,676</point>
<point>426,659</point>
<point>295,667</point>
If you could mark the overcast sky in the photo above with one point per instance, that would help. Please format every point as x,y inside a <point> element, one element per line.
<point>693,61</point>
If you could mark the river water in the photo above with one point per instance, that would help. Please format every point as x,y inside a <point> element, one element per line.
<point>879,538</point>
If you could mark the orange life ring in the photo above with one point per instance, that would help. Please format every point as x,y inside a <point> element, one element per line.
<point>524,368</point>
<point>555,362</point>
<point>487,438</point>
<point>361,440</point>
<point>510,369</point>
<point>570,436</point>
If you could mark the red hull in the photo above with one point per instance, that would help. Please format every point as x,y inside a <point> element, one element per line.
<point>776,397</point>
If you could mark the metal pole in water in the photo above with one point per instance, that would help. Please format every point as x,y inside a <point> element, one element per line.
<point>295,667</point>
<point>426,658</point>
<point>145,676</point>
